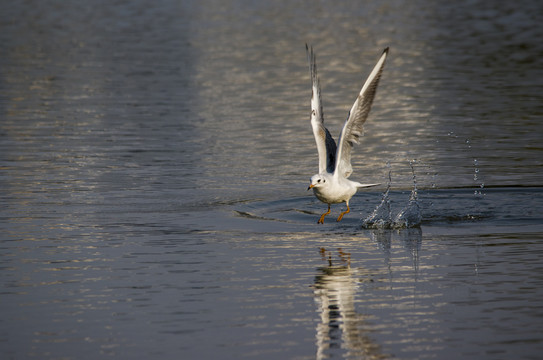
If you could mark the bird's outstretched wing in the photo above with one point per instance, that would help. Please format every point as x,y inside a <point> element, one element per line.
<point>326,146</point>
<point>353,128</point>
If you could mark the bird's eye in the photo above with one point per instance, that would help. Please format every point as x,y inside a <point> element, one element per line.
<point>324,181</point>
<point>319,180</point>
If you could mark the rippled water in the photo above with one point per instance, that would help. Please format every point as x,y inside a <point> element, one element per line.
<point>154,158</point>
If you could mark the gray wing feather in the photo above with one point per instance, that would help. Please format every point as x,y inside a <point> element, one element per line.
<point>326,146</point>
<point>353,128</point>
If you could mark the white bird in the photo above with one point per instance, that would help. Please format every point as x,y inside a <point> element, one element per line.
<point>331,185</point>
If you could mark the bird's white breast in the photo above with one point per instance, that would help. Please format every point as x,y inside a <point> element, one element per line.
<point>335,192</point>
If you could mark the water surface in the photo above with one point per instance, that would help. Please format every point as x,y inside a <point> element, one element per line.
<point>154,159</point>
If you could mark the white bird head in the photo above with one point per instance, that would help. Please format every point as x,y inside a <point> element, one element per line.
<point>317,181</point>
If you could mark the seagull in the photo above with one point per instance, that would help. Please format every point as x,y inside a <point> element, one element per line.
<point>331,185</point>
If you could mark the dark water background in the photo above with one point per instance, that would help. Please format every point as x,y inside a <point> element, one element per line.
<point>154,158</point>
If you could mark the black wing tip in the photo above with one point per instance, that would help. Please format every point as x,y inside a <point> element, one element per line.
<point>310,54</point>
<point>310,47</point>
<point>312,59</point>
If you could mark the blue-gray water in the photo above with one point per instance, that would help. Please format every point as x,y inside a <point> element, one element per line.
<point>154,158</point>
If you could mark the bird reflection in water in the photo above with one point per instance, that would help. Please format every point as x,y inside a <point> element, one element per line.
<point>341,329</point>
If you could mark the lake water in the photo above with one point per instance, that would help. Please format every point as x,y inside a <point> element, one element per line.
<point>154,160</point>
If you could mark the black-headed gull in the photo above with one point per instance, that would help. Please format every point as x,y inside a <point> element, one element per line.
<point>331,185</point>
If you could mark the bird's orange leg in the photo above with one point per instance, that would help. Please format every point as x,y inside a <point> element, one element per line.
<point>321,220</point>
<point>343,213</point>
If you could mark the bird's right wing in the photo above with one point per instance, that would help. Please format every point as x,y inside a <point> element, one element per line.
<point>326,146</point>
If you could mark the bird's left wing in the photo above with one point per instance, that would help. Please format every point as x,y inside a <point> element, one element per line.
<point>352,130</point>
<point>326,146</point>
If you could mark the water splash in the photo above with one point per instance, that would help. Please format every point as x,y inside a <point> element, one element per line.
<point>476,178</point>
<point>409,217</point>
<point>381,217</point>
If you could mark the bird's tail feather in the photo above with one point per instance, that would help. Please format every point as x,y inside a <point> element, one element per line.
<point>358,185</point>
